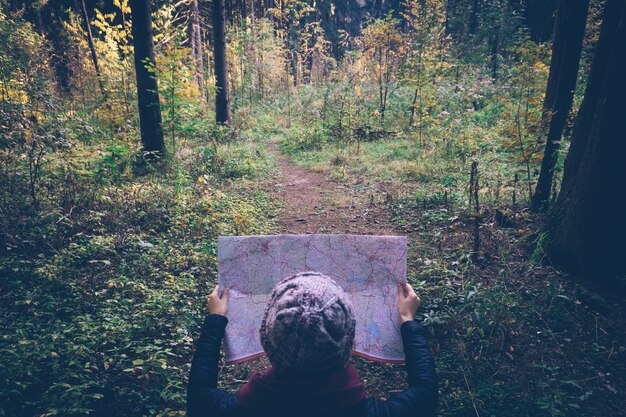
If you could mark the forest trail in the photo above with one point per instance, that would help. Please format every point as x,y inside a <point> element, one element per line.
<point>313,203</point>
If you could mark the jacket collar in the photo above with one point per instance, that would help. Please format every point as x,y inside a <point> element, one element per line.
<point>339,390</point>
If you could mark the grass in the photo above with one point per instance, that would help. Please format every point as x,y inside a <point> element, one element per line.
<point>510,337</point>
<point>102,290</point>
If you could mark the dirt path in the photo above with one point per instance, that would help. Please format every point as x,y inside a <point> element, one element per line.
<point>315,204</point>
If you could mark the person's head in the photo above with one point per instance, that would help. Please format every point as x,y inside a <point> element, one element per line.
<point>308,326</point>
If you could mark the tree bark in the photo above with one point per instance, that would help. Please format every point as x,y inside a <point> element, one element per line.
<point>495,46</point>
<point>252,15</point>
<point>54,16</point>
<point>539,18</point>
<point>222,98</point>
<point>196,40</point>
<point>586,228</point>
<point>569,31</point>
<point>413,103</point>
<point>473,23</point>
<point>147,86</point>
<point>92,48</point>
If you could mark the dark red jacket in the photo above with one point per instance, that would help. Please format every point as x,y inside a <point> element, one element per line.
<point>337,394</point>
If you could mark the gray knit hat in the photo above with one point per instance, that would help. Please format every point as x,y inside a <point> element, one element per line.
<point>308,326</point>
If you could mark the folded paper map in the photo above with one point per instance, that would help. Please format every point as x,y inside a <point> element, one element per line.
<point>368,268</point>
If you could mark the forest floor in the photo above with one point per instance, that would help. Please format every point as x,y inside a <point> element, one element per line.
<point>103,288</point>
<point>504,330</point>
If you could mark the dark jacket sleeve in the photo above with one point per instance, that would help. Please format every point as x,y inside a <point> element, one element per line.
<point>420,398</point>
<point>203,396</point>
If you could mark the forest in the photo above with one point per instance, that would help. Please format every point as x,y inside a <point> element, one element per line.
<point>133,133</point>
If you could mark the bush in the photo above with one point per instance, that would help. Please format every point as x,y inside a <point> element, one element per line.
<point>310,137</point>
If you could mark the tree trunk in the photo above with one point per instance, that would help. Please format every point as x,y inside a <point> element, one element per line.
<point>413,103</point>
<point>228,11</point>
<point>495,45</point>
<point>54,16</point>
<point>196,40</point>
<point>587,226</point>
<point>222,98</point>
<point>147,86</point>
<point>473,23</point>
<point>209,71</point>
<point>252,15</point>
<point>569,31</point>
<point>92,48</point>
<point>539,18</point>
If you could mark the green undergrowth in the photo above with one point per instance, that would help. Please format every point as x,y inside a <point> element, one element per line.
<point>511,336</point>
<point>436,156</point>
<point>102,285</point>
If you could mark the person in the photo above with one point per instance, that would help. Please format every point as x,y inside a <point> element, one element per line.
<point>307,333</point>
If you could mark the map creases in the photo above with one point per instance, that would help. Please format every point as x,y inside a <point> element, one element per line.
<point>368,268</point>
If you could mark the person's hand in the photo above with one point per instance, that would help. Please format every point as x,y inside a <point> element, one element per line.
<point>217,305</point>
<point>408,302</point>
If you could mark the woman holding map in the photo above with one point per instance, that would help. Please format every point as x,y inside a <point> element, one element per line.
<point>307,334</point>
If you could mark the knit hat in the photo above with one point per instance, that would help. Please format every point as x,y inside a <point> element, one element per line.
<point>308,326</point>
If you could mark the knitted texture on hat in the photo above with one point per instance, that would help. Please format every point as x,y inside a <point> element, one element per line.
<point>308,326</point>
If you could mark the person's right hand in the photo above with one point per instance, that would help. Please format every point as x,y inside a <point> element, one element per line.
<point>408,302</point>
<point>217,305</point>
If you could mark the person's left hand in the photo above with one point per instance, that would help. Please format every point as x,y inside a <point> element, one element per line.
<point>217,305</point>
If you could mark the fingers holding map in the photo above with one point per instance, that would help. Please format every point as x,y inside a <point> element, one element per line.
<point>368,268</point>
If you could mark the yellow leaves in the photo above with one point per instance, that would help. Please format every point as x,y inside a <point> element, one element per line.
<point>139,364</point>
<point>114,284</point>
<point>15,89</point>
<point>122,5</point>
<point>103,198</point>
<point>169,279</point>
<point>384,39</point>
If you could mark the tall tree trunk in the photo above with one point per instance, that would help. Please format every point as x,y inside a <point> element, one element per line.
<point>191,35</point>
<point>587,225</point>
<point>222,98</point>
<point>53,16</point>
<point>495,46</point>
<point>569,31</point>
<point>253,49</point>
<point>228,11</point>
<point>92,48</point>
<point>39,25</point>
<point>446,24</point>
<point>252,15</point>
<point>209,71</point>
<point>413,103</point>
<point>473,23</point>
<point>147,86</point>
<point>539,18</point>
<point>124,73</point>
<point>196,40</point>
